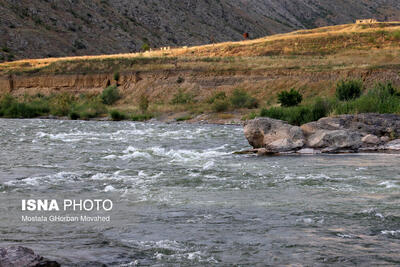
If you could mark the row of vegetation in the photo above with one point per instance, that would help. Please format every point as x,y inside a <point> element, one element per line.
<point>84,106</point>
<point>219,101</point>
<point>351,98</point>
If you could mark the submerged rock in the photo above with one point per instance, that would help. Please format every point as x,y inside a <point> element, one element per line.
<point>24,257</point>
<point>273,135</point>
<point>340,134</point>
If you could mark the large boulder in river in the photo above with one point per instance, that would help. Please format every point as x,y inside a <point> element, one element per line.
<point>344,133</point>
<point>24,257</point>
<point>273,136</point>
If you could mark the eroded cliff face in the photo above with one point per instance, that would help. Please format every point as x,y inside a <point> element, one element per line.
<point>161,85</point>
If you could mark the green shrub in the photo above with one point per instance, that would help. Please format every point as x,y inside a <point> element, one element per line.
<point>220,105</point>
<point>116,76</point>
<point>11,108</point>
<point>396,35</point>
<point>117,115</point>
<point>241,99</point>
<point>348,89</point>
<point>42,106</point>
<point>20,110</point>
<point>182,98</point>
<point>296,115</point>
<point>95,107</point>
<point>299,115</point>
<point>61,104</point>
<point>321,108</point>
<point>145,47</point>
<point>110,95</point>
<point>216,96</point>
<point>5,102</point>
<point>73,115</point>
<point>380,99</point>
<point>144,103</point>
<point>290,98</point>
<point>384,90</point>
<point>90,108</point>
<point>250,116</point>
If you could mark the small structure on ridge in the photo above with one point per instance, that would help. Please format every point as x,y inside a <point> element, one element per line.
<point>366,21</point>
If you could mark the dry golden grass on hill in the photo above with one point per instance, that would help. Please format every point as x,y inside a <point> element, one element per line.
<point>334,46</point>
<point>312,61</point>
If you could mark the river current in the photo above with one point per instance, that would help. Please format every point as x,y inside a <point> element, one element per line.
<point>181,197</point>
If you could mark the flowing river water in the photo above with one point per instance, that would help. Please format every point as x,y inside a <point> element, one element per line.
<point>182,198</point>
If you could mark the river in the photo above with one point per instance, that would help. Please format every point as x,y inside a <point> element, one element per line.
<point>180,197</point>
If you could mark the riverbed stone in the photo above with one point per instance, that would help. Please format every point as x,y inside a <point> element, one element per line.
<point>22,256</point>
<point>371,139</point>
<point>274,135</point>
<point>393,145</point>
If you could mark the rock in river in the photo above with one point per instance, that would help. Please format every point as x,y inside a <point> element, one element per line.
<point>23,257</point>
<point>344,133</point>
<point>273,135</point>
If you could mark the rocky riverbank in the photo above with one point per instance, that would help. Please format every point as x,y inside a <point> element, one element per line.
<point>341,134</point>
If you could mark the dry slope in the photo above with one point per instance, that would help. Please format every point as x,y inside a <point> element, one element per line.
<point>49,28</point>
<point>310,60</point>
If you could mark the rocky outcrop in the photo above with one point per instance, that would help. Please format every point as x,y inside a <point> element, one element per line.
<point>273,136</point>
<point>336,140</point>
<point>22,256</point>
<point>340,134</point>
<point>367,123</point>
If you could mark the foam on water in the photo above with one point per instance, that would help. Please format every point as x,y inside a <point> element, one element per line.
<point>60,177</point>
<point>391,232</point>
<point>71,136</point>
<point>182,197</point>
<point>110,157</point>
<point>389,184</point>
<point>170,250</point>
<point>109,188</point>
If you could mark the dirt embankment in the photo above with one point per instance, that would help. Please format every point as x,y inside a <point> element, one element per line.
<point>160,86</point>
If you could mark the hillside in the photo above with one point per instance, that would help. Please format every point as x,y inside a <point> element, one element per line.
<point>48,28</point>
<point>312,61</point>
